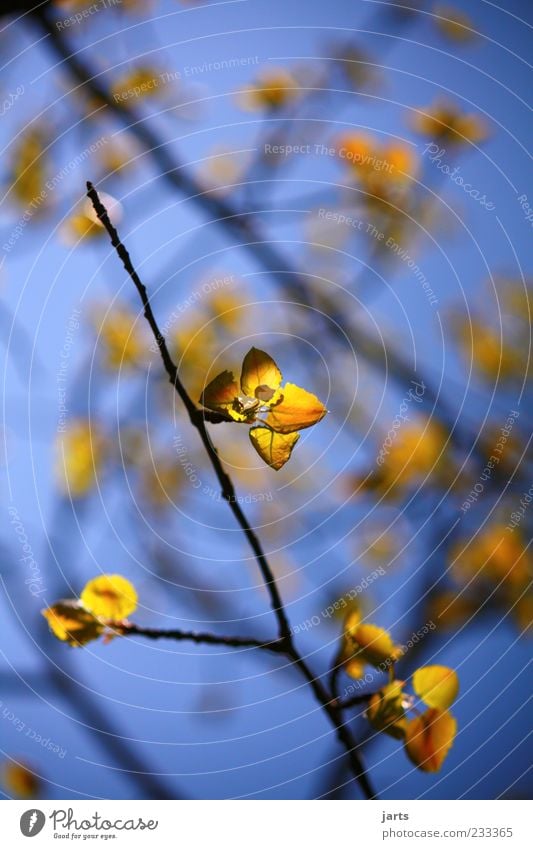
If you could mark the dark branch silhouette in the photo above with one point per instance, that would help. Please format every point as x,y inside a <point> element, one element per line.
<point>228,493</point>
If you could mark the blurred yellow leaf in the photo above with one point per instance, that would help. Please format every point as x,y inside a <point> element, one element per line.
<point>496,555</point>
<point>436,685</point>
<point>121,338</point>
<point>451,608</point>
<point>445,122</point>
<point>274,88</point>
<point>20,780</point>
<point>29,170</point>
<point>274,448</point>
<point>429,737</point>
<point>82,449</point>
<point>109,597</point>
<point>386,712</point>
<point>143,82</point>
<point>453,23</point>
<point>366,644</point>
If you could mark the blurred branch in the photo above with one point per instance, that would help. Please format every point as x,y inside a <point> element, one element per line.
<point>228,493</point>
<point>114,742</point>
<point>241,225</point>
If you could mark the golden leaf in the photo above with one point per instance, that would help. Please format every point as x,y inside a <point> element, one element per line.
<point>260,376</point>
<point>296,410</point>
<point>109,597</point>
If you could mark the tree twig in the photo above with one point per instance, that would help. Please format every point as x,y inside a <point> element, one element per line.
<point>196,416</point>
<point>286,644</point>
<point>129,629</point>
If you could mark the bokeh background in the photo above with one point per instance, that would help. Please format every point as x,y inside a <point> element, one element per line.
<point>243,243</point>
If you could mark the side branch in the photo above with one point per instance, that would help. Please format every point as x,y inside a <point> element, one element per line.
<point>131,630</point>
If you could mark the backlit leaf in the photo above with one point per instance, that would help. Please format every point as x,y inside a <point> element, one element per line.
<point>260,375</point>
<point>221,394</point>
<point>274,448</point>
<point>296,410</point>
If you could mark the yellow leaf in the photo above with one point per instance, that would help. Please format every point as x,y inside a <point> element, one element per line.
<point>446,123</point>
<point>109,597</point>
<point>354,668</point>
<point>366,644</point>
<point>82,449</point>
<point>260,376</point>
<point>29,170</point>
<point>221,396</point>
<point>429,737</point>
<point>143,82</point>
<point>454,23</point>
<point>274,448</point>
<point>296,410</point>
<point>375,645</point>
<point>352,622</point>
<point>70,623</point>
<point>121,338</point>
<point>274,88</point>
<point>437,686</point>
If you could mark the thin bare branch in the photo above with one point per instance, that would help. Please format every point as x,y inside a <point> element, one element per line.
<point>285,642</point>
